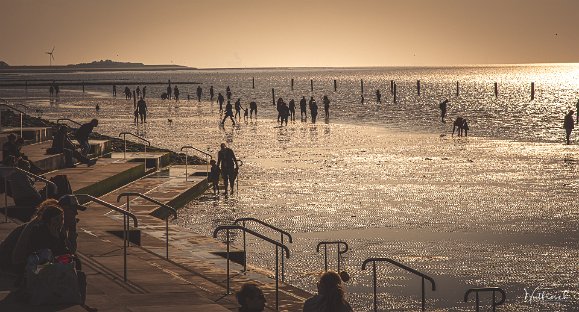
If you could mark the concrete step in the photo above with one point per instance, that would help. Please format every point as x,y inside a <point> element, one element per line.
<point>31,134</point>
<point>156,160</point>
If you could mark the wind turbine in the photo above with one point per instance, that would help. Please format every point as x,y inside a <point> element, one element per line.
<point>51,57</point>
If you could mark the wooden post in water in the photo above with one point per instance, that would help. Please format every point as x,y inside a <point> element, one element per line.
<point>457,89</point>
<point>312,84</point>
<point>496,89</point>
<point>253,82</point>
<point>532,91</point>
<point>418,87</point>
<point>361,86</point>
<point>83,87</point>
<point>395,97</point>
<point>292,84</point>
<point>273,96</point>
<point>391,86</point>
<point>335,85</point>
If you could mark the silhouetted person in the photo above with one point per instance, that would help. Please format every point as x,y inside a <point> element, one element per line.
<point>577,110</point>
<point>127,93</point>
<point>61,143</point>
<point>252,109</point>
<point>238,109</point>
<point>138,90</point>
<point>169,90</point>
<point>51,90</point>
<point>144,91</point>
<point>228,113</point>
<point>378,96</point>
<point>142,109</point>
<point>284,113</point>
<point>278,107</point>
<point>135,108</point>
<point>114,90</point>
<point>292,109</point>
<point>568,125</point>
<point>250,298</point>
<point>176,94</point>
<point>313,109</point>
<point>214,176</point>
<point>330,297</point>
<point>458,126</point>
<point>211,93</point>
<point>303,112</point>
<point>228,93</point>
<point>83,133</point>
<point>245,113</point>
<point>220,100</point>
<point>97,107</point>
<point>199,93</point>
<point>442,107</point>
<point>56,90</point>
<point>226,158</point>
<point>465,127</point>
<point>326,102</point>
<point>12,156</point>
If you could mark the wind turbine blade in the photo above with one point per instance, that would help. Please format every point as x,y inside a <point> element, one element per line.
<point>52,49</point>
<point>52,56</point>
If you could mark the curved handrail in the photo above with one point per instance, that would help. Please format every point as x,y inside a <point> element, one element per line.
<point>267,239</point>
<point>333,242</point>
<point>402,266</point>
<point>256,234</point>
<point>12,108</point>
<point>289,236</point>
<point>171,209</point>
<point>484,289</point>
<point>125,227</point>
<point>136,136</point>
<point>67,119</point>
<point>194,148</point>
<point>111,206</point>
<point>38,178</point>
<point>340,252</point>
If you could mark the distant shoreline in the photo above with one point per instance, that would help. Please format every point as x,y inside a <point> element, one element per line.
<point>81,68</point>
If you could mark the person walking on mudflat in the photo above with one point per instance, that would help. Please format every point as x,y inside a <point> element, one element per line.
<point>568,125</point>
<point>442,107</point>
<point>326,102</point>
<point>303,112</point>
<point>228,163</point>
<point>228,113</point>
<point>577,110</point>
<point>220,99</point>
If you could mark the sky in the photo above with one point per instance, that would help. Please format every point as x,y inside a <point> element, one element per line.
<point>298,33</point>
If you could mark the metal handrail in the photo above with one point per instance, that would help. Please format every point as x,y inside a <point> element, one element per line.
<point>26,108</point>
<point>200,151</point>
<point>30,174</point>
<point>124,134</point>
<point>484,289</point>
<point>125,225</point>
<point>16,109</point>
<point>400,265</point>
<point>265,238</point>
<point>171,209</point>
<point>67,119</point>
<point>282,233</point>
<point>340,252</point>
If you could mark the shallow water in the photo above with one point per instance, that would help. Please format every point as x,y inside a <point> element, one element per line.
<point>496,209</point>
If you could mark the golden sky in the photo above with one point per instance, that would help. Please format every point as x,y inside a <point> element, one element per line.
<point>275,33</point>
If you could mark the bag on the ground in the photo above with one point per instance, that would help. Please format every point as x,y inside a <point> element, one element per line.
<point>53,283</point>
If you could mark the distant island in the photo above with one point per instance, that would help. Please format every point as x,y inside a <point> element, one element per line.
<point>102,65</point>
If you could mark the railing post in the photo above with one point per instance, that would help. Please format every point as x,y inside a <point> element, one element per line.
<point>282,262</point>
<point>125,150</point>
<point>277,278</point>
<point>186,171</point>
<point>374,284</point>
<point>126,241</point>
<point>21,126</point>
<point>478,302</point>
<point>228,292</point>
<point>244,251</point>
<point>326,257</point>
<point>423,299</point>
<point>338,258</point>
<point>5,199</point>
<point>167,237</point>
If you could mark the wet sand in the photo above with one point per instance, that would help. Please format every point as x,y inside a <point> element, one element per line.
<point>469,212</point>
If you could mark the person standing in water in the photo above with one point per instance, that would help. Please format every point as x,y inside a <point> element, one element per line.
<point>199,93</point>
<point>326,102</point>
<point>568,125</point>
<point>303,112</point>
<point>442,107</point>
<point>313,109</point>
<point>211,93</point>
<point>292,110</point>
<point>226,159</point>
<point>228,113</point>
<point>220,100</point>
<point>378,96</point>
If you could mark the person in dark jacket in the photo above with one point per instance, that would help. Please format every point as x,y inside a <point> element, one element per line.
<point>568,124</point>
<point>61,143</point>
<point>83,133</point>
<point>226,159</point>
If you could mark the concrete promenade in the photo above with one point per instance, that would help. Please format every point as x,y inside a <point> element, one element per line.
<point>193,278</point>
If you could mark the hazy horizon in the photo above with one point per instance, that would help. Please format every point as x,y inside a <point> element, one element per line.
<point>274,34</point>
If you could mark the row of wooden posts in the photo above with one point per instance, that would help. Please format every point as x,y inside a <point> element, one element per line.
<point>393,88</point>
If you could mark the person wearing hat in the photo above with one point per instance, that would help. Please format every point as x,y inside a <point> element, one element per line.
<point>70,206</point>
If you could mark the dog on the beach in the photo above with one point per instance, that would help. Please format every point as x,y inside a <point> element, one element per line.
<point>461,126</point>
<point>163,96</point>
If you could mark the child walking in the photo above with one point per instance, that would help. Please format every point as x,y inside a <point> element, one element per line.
<point>214,176</point>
